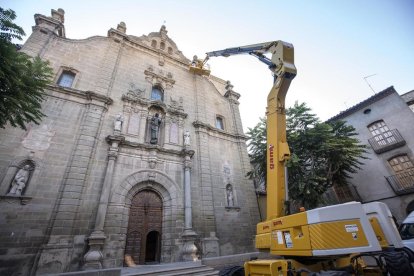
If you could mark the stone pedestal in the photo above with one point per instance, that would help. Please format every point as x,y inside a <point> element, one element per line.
<point>93,258</point>
<point>211,246</point>
<point>189,251</point>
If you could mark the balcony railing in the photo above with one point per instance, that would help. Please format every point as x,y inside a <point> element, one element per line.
<point>402,183</point>
<point>386,141</point>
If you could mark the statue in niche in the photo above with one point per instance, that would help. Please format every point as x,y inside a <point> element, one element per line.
<point>230,197</point>
<point>155,128</point>
<point>119,119</point>
<point>20,181</point>
<point>187,138</point>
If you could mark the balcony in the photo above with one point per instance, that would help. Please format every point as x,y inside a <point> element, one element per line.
<point>402,183</point>
<point>386,141</point>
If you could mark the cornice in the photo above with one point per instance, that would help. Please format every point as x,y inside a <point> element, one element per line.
<point>81,94</point>
<point>198,125</point>
<point>124,143</point>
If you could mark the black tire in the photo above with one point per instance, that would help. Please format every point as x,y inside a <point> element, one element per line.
<point>409,253</point>
<point>397,263</point>
<point>232,271</point>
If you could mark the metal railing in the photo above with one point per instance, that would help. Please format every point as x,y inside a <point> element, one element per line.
<point>386,141</point>
<point>402,183</point>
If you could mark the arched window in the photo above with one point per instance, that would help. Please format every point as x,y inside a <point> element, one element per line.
<point>154,44</point>
<point>157,93</point>
<point>162,45</point>
<point>170,50</point>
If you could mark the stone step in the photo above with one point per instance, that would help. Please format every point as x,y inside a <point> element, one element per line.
<point>173,269</point>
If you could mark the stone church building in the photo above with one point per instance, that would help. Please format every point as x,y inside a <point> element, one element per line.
<point>137,159</point>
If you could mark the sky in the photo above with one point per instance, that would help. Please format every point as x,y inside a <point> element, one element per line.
<point>345,51</point>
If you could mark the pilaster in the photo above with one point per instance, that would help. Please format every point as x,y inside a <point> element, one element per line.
<point>57,253</point>
<point>93,258</point>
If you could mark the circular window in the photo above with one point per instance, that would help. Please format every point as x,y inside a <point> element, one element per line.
<point>367,111</point>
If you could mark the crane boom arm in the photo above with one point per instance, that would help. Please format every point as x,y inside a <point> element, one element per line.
<point>256,50</point>
<point>282,66</point>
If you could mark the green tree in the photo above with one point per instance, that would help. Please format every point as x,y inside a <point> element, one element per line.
<point>22,78</point>
<point>322,154</point>
<point>257,147</point>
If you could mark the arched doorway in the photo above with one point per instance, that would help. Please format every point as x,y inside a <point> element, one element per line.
<point>143,241</point>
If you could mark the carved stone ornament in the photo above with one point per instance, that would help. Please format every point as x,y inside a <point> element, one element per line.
<point>178,104</point>
<point>134,92</point>
<point>161,60</point>
<point>159,78</point>
<point>38,137</point>
<point>121,27</point>
<point>231,94</point>
<point>163,33</point>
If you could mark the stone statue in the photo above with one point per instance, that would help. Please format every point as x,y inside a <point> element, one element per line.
<point>155,128</point>
<point>19,181</point>
<point>187,138</point>
<point>118,122</point>
<point>230,198</point>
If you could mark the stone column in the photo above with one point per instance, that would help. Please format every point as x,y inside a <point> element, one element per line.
<point>187,192</point>
<point>93,258</point>
<point>189,250</point>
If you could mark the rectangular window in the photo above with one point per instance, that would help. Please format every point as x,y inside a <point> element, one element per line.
<point>219,123</point>
<point>66,79</point>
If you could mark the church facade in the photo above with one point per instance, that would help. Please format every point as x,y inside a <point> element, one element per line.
<point>137,160</point>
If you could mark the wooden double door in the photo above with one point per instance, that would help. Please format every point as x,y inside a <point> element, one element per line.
<point>143,242</point>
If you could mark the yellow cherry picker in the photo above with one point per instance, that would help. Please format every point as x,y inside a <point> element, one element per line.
<point>344,239</point>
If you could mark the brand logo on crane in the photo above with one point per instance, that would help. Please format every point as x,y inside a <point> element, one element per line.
<point>271,158</point>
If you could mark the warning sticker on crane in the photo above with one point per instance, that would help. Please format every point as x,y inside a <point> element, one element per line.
<point>351,228</point>
<point>279,237</point>
<point>288,239</point>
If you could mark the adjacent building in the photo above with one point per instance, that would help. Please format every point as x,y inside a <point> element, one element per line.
<point>136,160</point>
<point>385,123</point>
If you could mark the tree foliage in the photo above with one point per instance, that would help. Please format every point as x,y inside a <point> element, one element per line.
<point>257,147</point>
<point>22,78</point>
<point>322,154</point>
